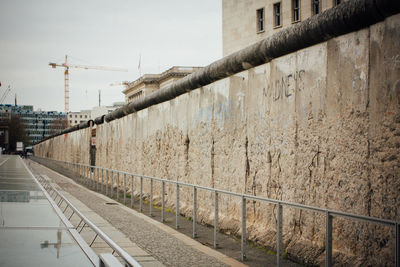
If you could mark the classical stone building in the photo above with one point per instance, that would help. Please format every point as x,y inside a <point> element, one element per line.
<point>248,21</point>
<point>148,83</point>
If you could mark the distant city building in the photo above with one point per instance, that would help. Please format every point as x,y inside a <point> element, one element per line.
<point>38,124</point>
<point>85,115</point>
<point>78,117</point>
<point>247,21</point>
<point>149,83</point>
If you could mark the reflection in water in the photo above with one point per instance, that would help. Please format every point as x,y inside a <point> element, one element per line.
<point>14,196</point>
<point>57,245</point>
<point>20,196</point>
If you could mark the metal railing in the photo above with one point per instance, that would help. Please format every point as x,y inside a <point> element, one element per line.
<point>54,194</point>
<point>98,177</point>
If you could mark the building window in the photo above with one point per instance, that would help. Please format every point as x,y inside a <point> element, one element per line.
<point>277,14</point>
<point>315,7</point>
<point>336,2</point>
<point>296,10</point>
<point>76,122</point>
<point>85,116</point>
<point>76,116</point>
<point>260,20</point>
<point>80,116</point>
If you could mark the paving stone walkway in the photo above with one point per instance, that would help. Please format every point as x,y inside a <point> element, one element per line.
<point>150,242</point>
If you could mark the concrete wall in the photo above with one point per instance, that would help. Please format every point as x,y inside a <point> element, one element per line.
<point>320,127</point>
<point>71,147</point>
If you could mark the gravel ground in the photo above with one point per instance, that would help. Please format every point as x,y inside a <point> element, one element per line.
<point>161,245</point>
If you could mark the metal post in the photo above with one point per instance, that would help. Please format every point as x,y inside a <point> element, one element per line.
<point>90,176</point>
<point>102,180</point>
<point>117,186</point>
<point>215,219</point>
<point>162,201</point>
<point>93,173</point>
<point>177,207</point>
<point>328,239</point>
<point>151,198</point>
<point>194,212</point>
<point>279,235</point>
<point>112,183</point>
<point>107,182</point>
<point>124,188</point>
<point>243,218</point>
<point>97,179</point>
<point>397,260</point>
<point>141,194</point>
<point>132,180</point>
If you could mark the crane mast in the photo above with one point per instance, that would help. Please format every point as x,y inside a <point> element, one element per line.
<point>66,65</point>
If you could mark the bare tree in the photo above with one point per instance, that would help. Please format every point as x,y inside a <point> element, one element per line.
<point>58,125</point>
<point>16,132</point>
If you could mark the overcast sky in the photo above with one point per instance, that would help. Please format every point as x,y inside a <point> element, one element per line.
<point>99,33</point>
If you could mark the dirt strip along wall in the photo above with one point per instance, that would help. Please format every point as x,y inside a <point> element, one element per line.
<point>320,127</point>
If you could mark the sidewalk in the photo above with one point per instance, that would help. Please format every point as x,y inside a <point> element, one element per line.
<point>150,242</point>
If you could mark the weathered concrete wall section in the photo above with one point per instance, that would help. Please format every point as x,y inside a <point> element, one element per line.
<point>71,147</point>
<point>320,126</point>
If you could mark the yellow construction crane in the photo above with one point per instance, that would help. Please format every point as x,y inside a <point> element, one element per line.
<point>125,83</point>
<point>66,75</point>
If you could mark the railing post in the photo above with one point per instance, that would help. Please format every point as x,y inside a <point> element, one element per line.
<point>112,183</point>
<point>162,201</point>
<point>102,180</point>
<point>397,260</point>
<point>107,182</point>
<point>194,212</point>
<point>132,193</point>
<point>89,176</point>
<point>177,207</point>
<point>328,239</point>
<point>97,179</point>
<point>243,218</point>
<point>151,198</point>
<point>124,188</point>
<point>141,194</point>
<point>117,186</point>
<point>279,235</point>
<point>215,219</point>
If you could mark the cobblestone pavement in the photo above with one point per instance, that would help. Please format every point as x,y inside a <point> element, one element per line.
<point>165,247</point>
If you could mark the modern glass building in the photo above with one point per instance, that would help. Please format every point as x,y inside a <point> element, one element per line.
<point>38,124</point>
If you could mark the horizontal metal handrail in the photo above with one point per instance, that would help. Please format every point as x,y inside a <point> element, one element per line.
<point>85,169</point>
<point>124,255</point>
<point>251,197</point>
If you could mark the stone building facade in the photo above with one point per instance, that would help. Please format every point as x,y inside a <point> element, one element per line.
<point>248,21</point>
<point>149,83</point>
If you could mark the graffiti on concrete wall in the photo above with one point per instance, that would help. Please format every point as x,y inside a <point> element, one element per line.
<point>286,86</point>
